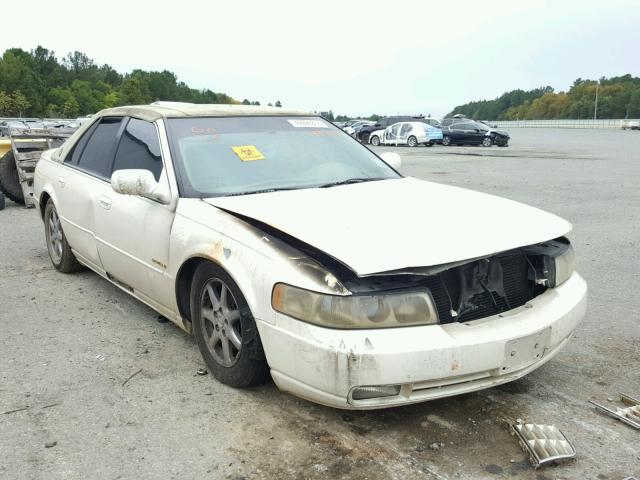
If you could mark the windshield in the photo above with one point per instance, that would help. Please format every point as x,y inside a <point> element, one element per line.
<point>218,156</point>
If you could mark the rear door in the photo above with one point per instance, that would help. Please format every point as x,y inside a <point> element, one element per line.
<point>403,134</point>
<point>132,233</point>
<point>88,166</point>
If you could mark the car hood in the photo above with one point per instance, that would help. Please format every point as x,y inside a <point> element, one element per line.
<point>394,224</point>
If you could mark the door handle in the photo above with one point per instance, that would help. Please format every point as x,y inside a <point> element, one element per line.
<point>105,202</point>
<point>62,181</point>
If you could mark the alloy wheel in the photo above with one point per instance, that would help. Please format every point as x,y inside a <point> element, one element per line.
<point>55,237</point>
<point>221,324</point>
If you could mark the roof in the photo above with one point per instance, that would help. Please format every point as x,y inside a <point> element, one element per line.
<point>159,110</point>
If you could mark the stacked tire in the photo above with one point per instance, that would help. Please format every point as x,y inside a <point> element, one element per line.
<point>9,180</point>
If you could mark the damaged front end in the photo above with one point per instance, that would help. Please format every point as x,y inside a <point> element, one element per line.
<point>482,287</point>
<point>461,291</point>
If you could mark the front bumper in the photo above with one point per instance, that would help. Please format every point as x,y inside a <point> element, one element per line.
<point>324,365</point>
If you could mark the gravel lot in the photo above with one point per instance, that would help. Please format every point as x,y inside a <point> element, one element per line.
<point>69,343</point>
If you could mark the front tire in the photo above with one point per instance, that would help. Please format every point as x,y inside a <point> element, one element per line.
<point>412,141</point>
<point>225,330</point>
<point>60,252</point>
<point>375,141</point>
<point>446,140</point>
<point>364,138</point>
<point>487,142</point>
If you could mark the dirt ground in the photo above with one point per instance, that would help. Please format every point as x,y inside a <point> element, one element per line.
<point>70,342</point>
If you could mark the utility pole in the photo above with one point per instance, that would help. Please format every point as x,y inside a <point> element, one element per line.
<point>595,109</point>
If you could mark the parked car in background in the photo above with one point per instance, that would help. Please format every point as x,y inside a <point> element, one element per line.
<point>406,133</point>
<point>211,215</point>
<point>457,118</point>
<point>355,127</point>
<point>489,124</point>
<point>468,132</point>
<point>384,122</point>
<point>630,124</point>
<point>7,125</point>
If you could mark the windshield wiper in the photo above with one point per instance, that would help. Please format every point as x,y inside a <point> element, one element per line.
<point>265,190</point>
<point>349,181</point>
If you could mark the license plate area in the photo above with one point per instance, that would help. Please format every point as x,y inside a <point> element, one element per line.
<point>524,351</point>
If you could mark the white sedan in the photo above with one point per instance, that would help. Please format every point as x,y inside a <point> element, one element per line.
<point>406,133</point>
<point>289,249</point>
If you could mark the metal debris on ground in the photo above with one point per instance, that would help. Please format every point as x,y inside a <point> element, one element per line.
<point>543,443</point>
<point>50,444</point>
<point>629,415</point>
<point>201,371</point>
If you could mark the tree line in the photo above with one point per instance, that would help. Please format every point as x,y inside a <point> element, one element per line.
<point>618,97</point>
<point>37,84</point>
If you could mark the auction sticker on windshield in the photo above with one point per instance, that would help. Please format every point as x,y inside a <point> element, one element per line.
<point>248,153</point>
<point>303,123</point>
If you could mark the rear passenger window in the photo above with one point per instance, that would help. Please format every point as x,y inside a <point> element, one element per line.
<point>139,148</point>
<point>97,155</point>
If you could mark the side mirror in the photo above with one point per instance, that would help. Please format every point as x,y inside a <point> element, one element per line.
<point>392,159</point>
<point>140,183</point>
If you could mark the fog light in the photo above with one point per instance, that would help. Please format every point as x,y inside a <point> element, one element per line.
<point>363,393</point>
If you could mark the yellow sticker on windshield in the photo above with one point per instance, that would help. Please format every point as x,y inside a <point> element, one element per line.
<point>248,153</point>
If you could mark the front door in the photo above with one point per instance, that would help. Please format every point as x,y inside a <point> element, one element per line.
<point>391,134</point>
<point>132,233</point>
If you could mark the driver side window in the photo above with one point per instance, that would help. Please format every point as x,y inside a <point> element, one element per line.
<point>139,148</point>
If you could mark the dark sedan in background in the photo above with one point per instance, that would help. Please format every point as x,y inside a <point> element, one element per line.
<point>469,132</point>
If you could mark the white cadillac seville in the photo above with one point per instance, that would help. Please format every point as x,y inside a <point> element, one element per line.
<point>288,248</point>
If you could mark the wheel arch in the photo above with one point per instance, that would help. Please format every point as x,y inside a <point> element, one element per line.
<point>42,203</point>
<point>184,279</point>
<point>183,286</point>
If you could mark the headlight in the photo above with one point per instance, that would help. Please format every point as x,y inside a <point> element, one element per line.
<point>564,266</point>
<point>355,311</point>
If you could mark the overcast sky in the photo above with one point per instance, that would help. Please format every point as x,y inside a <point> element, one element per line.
<point>353,57</point>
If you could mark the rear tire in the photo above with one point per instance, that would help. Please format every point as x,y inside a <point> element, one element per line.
<point>446,140</point>
<point>225,330</point>
<point>375,141</point>
<point>60,252</point>
<point>364,138</point>
<point>9,180</point>
<point>412,141</point>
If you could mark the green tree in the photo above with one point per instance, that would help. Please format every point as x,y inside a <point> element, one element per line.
<point>5,103</point>
<point>19,103</point>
